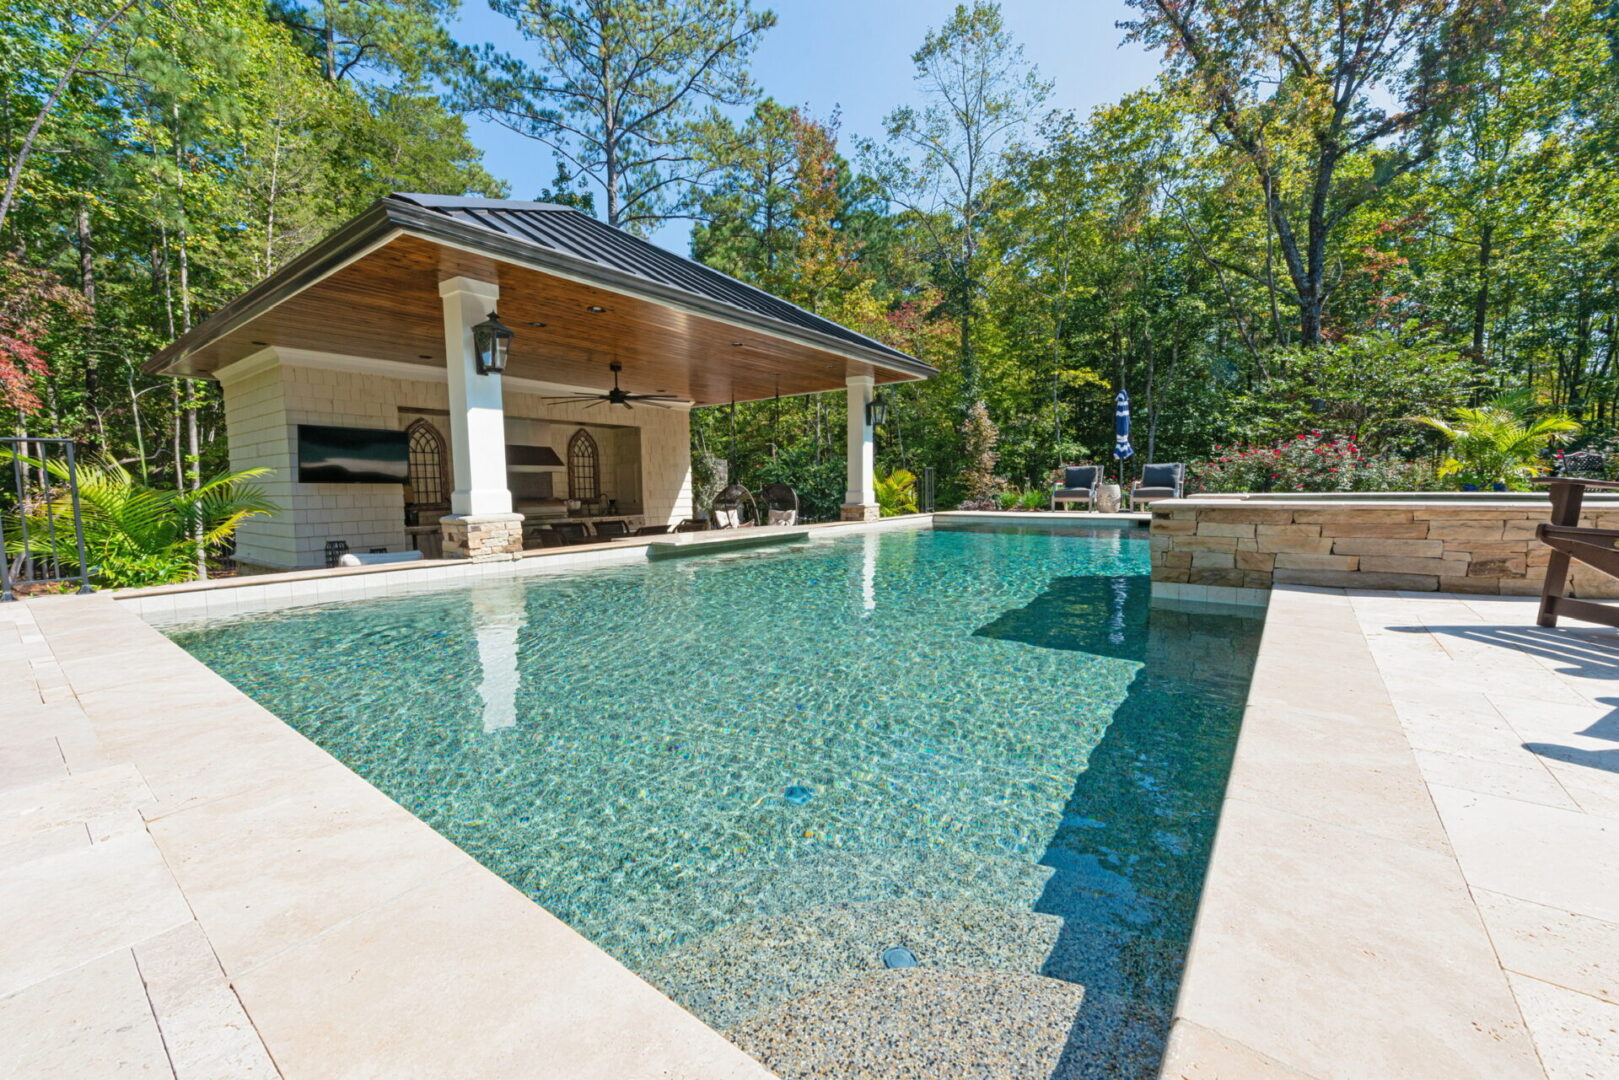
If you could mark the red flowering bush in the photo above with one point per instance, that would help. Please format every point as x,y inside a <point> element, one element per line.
<point>1308,462</point>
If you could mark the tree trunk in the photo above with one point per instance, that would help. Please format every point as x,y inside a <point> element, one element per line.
<point>87,286</point>
<point>1481,299</point>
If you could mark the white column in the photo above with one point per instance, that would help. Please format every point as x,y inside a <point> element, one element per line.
<point>477,415</point>
<point>860,500</point>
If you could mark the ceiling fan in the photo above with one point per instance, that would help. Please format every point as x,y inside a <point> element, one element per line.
<point>615,396</point>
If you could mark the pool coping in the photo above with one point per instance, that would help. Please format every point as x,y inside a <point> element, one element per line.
<point>1336,937</point>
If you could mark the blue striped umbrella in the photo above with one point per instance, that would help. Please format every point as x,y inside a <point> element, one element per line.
<point>1121,427</point>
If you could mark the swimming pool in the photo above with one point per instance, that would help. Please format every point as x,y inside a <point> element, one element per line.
<point>750,776</point>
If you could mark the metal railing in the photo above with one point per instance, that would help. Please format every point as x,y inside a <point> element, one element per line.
<point>33,474</point>
<point>925,494</point>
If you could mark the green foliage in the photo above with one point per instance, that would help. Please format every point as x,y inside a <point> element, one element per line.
<point>896,492</point>
<point>1496,443</point>
<point>135,535</point>
<point>1366,388</point>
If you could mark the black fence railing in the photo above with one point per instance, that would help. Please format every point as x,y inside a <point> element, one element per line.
<point>43,535</point>
<point>925,491</point>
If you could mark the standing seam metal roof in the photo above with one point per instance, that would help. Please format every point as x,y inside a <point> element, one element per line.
<point>564,229</point>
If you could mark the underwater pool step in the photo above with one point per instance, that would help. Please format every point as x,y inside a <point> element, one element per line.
<point>747,967</point>
<point>956,1025</point>
<point>644,929</point>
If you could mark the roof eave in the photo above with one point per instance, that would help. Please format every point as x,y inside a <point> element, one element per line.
<point>386,218</point>
<point>372,228</point>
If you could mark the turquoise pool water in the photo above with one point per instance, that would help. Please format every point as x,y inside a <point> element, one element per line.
<point>747,775</point>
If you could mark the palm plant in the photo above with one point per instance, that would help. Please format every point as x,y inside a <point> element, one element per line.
<point>1497,442</point>
<point>134,534</point>
<point>896,492</point>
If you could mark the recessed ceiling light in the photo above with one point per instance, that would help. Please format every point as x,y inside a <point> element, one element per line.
<point>736,344</point>
<point>261,343</point>
<point>536,324</point>
<point>425,356</point>
<point>597,308</point>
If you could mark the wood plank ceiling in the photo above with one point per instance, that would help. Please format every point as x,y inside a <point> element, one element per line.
<point>386,306</point>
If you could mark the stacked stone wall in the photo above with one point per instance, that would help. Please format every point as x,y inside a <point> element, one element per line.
<point>1443,547</point>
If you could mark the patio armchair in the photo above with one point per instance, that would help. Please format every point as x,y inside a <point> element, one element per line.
<point>691,525</point>
<point>1572,542</point>
<point>1158,482</point>
<point>654,530</point>
<point>571,532</point>
<point>1079,484</point>
<point>611,530</point>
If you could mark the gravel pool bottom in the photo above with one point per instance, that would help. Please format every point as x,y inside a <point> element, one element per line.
<point>749,776</point>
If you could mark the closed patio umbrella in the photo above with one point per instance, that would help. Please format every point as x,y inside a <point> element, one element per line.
<point>1122,449</point>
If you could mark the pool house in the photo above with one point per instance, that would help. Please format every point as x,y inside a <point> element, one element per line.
<point>369,340</point>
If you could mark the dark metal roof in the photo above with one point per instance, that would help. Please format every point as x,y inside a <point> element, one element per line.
<point>570,232</point>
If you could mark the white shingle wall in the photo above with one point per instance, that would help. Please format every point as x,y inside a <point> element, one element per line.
<point>262,412</point>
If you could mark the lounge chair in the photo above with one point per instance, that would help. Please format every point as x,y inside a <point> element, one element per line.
<point>1158,482</point>
<point>611,530</point>
<point>691,525</point>
<point>654,530</point>
<point>1079,484</point>
<point>781,504</point>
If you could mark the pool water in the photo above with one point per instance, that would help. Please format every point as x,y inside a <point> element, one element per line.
<point>747,776</point>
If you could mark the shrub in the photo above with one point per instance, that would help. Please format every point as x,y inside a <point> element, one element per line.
<point>135,534</point>
<point>896,492</point>
<point>1308,462</point>
<point>1497,443</point>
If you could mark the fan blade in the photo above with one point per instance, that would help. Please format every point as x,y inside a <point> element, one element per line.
<point>654,404</point>
<point>595,403</point>
<point>571,399</point>
<point>657,397</point>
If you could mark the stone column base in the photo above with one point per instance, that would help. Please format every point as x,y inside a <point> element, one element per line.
<point>482,537</point>
<point>859,512</point>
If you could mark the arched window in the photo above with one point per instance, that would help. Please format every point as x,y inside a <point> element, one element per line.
<point>584,481</point>
<point>426,450</point>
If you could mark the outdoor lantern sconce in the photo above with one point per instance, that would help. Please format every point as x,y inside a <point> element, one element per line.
<point>877,411</point>
<point>491,340</point>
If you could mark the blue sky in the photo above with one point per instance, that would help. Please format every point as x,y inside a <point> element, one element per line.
<point>855,55</point>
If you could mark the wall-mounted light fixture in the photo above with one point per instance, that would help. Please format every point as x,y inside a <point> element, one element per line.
<point>877,410</point>
<point>491,340</point>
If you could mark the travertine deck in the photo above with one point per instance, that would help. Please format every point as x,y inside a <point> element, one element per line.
<point>192,889</point>
<point>1417,868</point>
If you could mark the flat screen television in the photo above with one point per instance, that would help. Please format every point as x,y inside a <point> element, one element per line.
<point>345,455</point>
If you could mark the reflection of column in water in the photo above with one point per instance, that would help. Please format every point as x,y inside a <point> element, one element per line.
<point>1121,600</point>
<point>868,572</point>
<point>497,618</point>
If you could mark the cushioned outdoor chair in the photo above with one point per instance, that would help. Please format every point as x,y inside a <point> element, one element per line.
<point>732,506</point>
<point>1158,482</point>
<point>781,504</point>
<point>1079,484</point>
<point>611,530</point>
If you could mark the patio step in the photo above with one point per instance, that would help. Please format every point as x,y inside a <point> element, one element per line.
<point>740,969</point>
<point>955,1025</point>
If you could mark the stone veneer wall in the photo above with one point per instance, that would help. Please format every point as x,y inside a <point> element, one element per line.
<point>1479,547</point>
<point>264,403</point>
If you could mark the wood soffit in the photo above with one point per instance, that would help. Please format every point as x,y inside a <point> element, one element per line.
<point>385,305</point>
